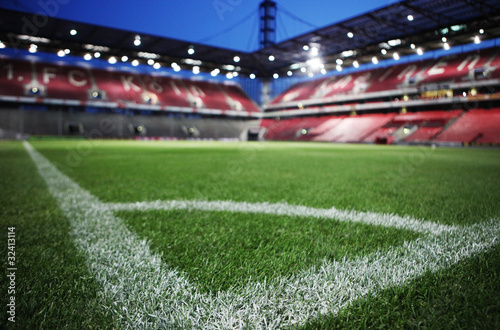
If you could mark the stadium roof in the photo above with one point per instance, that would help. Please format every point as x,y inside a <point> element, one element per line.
<point>403,28</point>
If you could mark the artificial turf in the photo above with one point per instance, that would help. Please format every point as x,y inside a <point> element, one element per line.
<point>220,249</point>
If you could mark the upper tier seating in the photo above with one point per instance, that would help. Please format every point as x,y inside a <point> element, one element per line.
<point>78,85</point>
<point>456,68</point>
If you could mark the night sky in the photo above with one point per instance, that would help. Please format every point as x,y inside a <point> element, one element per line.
<point>211,22</point>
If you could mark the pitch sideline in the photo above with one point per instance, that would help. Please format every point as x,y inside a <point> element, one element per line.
<point>143,292</point>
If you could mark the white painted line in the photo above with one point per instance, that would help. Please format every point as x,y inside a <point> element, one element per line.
<point>143,292</point>
<point>369,218</point>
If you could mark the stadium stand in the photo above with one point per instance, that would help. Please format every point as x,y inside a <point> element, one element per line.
<point>475,126</point>
<point>454,85</point>
<point>62,84</point>
<point>453,71</point>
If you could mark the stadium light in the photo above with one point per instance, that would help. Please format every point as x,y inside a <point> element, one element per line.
<point>191,50</point>
<point>196,69</point>
<point>374,60</point>
<point>137,40</point>
<point>151,61</point>
<point>396,56</point>
<point>112,60</point>
<point>236,59</point>
<point>303,69</point>
<point>481,31</point>
<point>276,76</point>
<point>67,51</point>
<point>2,45</point>
<point>61,53</point>
<point>383,51</point>
<point>355,64</point>
<point>252,76</point>
<point>306,47</point>
<point>443,39</point>
<point>315,64</point>
<point>271,58</point>
<point>314,51</point>
<point>477,40</point>
<point>215,72</point>
<point>410,18</point>
<point>350,35</point>
<point>229,75</point>
<point>97,54</point>
<point>135,63</point>
<point>446,46</point>
<point>289,73</point>
<point>73,32</point>
<point>412,46</point>
<point>339,61</point>
<point>33,48</point>
<point>124,58</point>
<point>157,65</point>
<point>87,57</point>
<point>323,71</point>
<point>339,68</point>
<point>420,51</point>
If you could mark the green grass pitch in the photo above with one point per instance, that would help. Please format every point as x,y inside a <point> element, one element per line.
<point>217,251</point>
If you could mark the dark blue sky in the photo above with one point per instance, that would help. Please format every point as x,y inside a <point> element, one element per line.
<point>212,22</point>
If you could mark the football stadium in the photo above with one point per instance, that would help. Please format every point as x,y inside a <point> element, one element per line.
<point>308,165</point>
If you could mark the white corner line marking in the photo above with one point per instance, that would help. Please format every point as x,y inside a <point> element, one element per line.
<point>369,218</point>
<point>143,292</point>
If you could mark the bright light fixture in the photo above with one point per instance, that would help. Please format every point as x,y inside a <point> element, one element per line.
<point>135,62</point>
<point>383,51</point>
<point>477,40</point>
<point>157,65</point>
<point>410,18</point>
<point>339,61</point>
<point>446,46</point>
<point>314,51</point>
<point>374,60</point>
<point>252,76</point>
<point>355,64</point>
<point>338,68</point>
<point>306,48</point>
<point>350,35</point>
<point>420,51</point>
<point>73,32</point>
<point>137,40</point>
<point>191,50</point>
<point>396,56</point>
<point>276,76</point>
<point>236,59</point>
<point>124,58</point>
<point>2,45</point>
<point>271,58</point>
<point>87,57</point>
<point>289,73</point>
<point>112,60</point>
<point>151,61</point>
<point>229,75</point>
<point>61,53</point>
<point>196,69</point>
<point>412,46</point>
<point>33,48</point>
<point>97,54</point>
